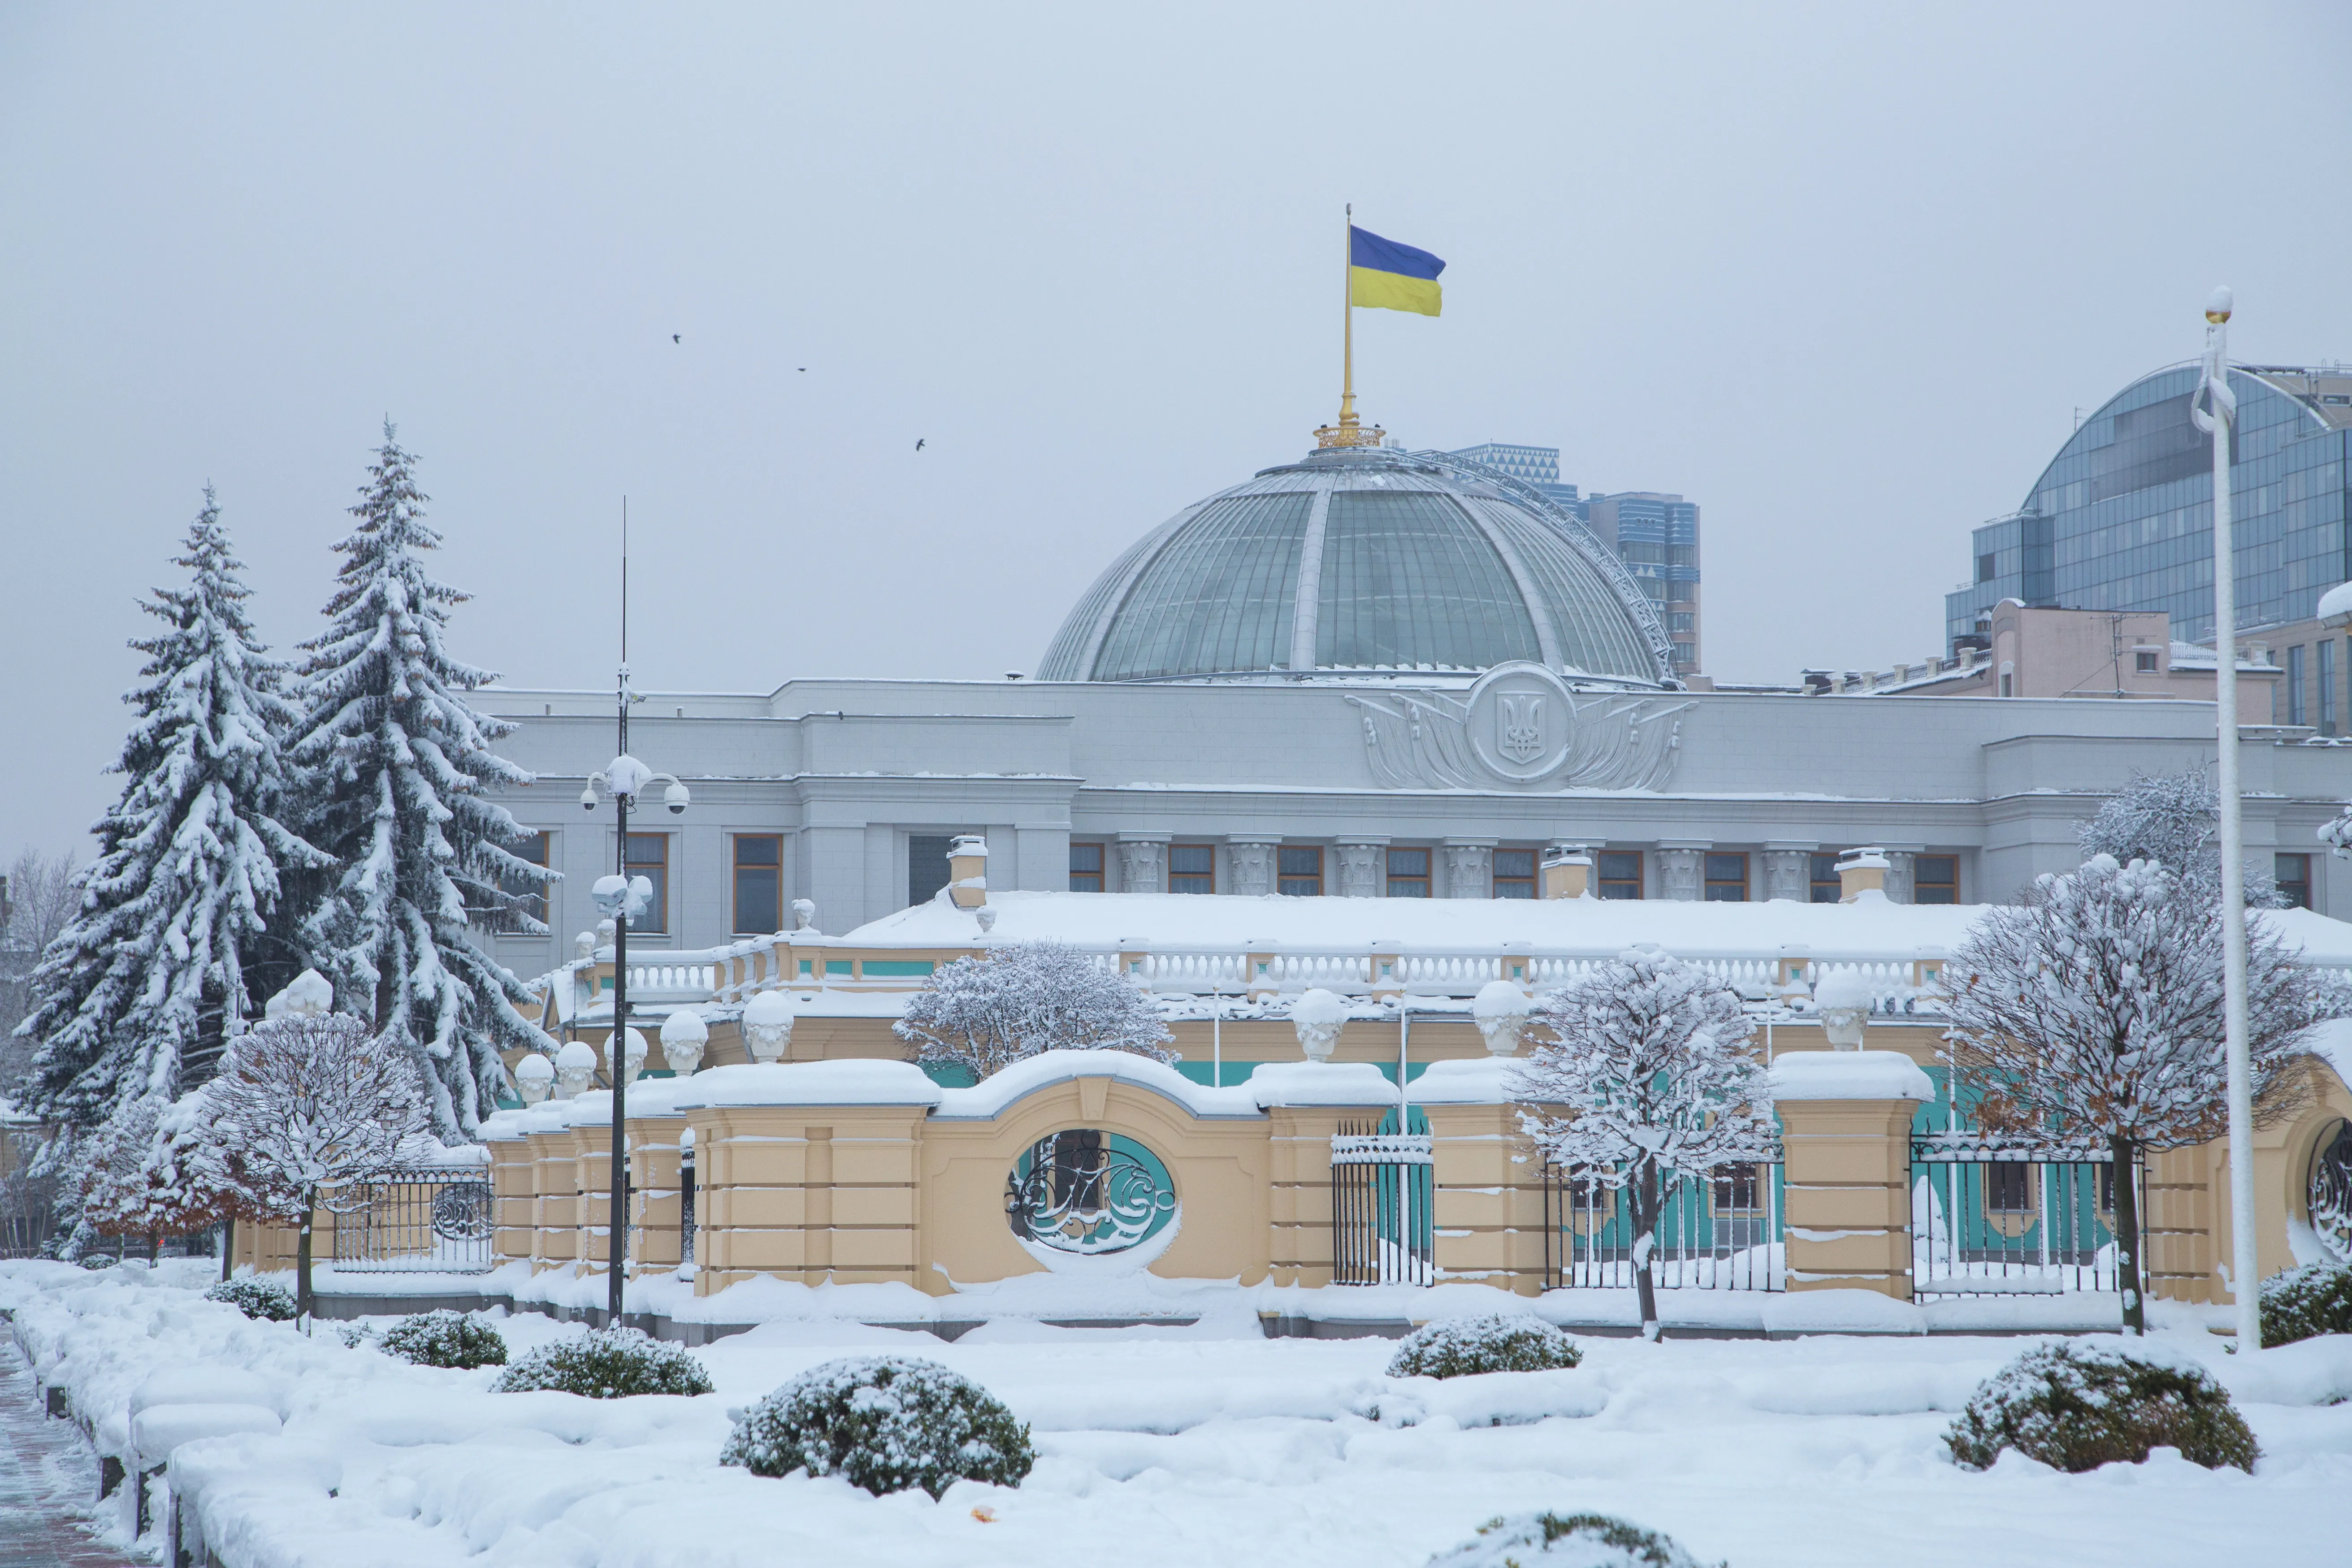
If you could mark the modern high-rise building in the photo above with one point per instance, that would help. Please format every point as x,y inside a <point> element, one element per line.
<point>1656,534</point>
<point>2123,517</point>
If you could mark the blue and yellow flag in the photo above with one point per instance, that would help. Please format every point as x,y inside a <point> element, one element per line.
<point>1385,276</point>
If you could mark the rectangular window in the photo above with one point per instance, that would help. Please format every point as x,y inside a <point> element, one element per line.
<point>2328,687</point>
<point>1621,873</point>
<point>523,909</point>
<point>1824,886</point>
<point>1086,868</point>
<point>2009,1186</point>
<point>1515,873</point>
<point>1192,869</point>
<point>758,883</point>
<point>1408,873</point>
<point>2295,707</point>
<point>1736,1187</point>
<point>1726,878</point>
<point>647,855</point>
<point>1985,565</point>
<point>2293,874</point>
<point>1936,879</point>
<point>1298,871</point>
<point>2144,660</point>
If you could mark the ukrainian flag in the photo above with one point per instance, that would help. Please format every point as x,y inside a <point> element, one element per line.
<point>1385,276</point>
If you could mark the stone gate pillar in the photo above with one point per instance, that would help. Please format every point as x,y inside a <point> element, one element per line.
<point>1846,1126</point>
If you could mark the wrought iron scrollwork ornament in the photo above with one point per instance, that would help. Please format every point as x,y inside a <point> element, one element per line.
<point>2330,1193</point>
<point>463,1212</point>
<point>1080,1192</point>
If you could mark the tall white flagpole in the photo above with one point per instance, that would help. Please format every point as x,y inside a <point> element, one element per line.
<point>2215,408</point>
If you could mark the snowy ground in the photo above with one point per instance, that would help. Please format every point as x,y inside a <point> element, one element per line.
<point>1207,1444</point>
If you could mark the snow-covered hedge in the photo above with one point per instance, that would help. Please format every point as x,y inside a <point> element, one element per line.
<point>2076,1407</point>
<point>1566,1541</point>
<point>884,1423</point>
<point>2304,1302</point>
<point>256,1297</point>
<point>1492,1341</point>
<point>445,1339</point>
<point>608,1363</point>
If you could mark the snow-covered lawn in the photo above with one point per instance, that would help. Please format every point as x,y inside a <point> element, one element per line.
<point>1199,1444</point>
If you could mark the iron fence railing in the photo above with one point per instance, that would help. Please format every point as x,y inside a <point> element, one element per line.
<point>1383,1203</point>
<point>2005,1216</point>
<point>686,1207</point>
<point>1722,1231</point>
<point>420,1219</point>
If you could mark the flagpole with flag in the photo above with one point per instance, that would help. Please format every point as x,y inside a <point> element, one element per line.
<point>1381,275</point>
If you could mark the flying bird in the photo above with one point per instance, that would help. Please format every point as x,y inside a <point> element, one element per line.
<point>676,338</point>
<point>918,445</point>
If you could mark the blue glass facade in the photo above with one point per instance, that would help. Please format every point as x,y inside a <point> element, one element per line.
<point>2123,518</point>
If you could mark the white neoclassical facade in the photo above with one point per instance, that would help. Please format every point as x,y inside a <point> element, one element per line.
<point>1369,674</point>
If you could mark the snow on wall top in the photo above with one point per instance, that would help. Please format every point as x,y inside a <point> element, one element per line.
<point>1849,1074</point>
<point>1877,929</point>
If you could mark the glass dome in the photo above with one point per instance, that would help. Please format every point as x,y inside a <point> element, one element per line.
<point>1363,562</point>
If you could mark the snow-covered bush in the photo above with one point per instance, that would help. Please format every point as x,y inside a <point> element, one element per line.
<point>608,1363</point>
<point>884,1423</point>
<point>1650,1072</point>
<point>2076,1407</point>
<point>1492,1341</point>
<point>2095,1005</point>
<point>1565,1540</point>
<point>445,1339</point>
<point>255,1298</point>
<point>94,1261</point>
<point>1017,1001</point>
<point>2302,1303</point>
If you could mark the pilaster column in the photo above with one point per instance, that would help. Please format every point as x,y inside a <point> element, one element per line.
<point>1847,1193</point>
<point>1358,863</point>
<point>1470,867</point>
<point>1489,1196</point>
<point>1789,873</point>
<point>1679,866</point>
<point>1252,864</point>
<point>1143,862</point>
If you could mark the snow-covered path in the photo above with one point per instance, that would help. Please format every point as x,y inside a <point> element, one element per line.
<point>1188,1445</point>
<point>46,1475</point>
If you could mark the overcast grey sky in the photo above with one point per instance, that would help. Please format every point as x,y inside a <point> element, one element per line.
<point>1841,275</point>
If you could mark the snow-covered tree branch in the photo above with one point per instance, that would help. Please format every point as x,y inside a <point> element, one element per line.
<point>2175,820</point>
<point>1642,1072</point>
<point>2095,1009</point>
<point>988,1013</point>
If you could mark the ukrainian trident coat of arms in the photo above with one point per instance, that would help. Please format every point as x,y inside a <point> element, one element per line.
<point>1519,726</point>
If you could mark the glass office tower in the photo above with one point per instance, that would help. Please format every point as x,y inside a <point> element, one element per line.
<point>2123,518</point>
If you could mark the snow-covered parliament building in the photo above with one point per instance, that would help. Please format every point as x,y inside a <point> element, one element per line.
<point>1370,674</point>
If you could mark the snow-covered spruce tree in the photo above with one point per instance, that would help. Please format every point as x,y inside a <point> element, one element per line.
<point>307,1102</point>
<point>2173,819</point>
<point>396,767</point>
<point>987,1013</point>
<point>2093,1010</point>
<point>137,991</point>
<point>1648,1074</point>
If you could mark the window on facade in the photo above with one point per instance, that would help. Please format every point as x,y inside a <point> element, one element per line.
<point>2009,1186</point>
<point>2293,874</point>
<point>2326,651</point>
<point>1515,873</point>
<point>1192,869</point>
<point>1086,868</point>
<point>927,865</point>
<point>1681,621</point>
<point>2296,706</point>
<point>1408,873</point>
<point>1681,554</point>
<point>758,883</point>
<point>1621,873</point>
<point>2144,660</point>
<point>1825,887</point>
<point>647,855</point>
<point>1936,879</point>
<point>1726,878</point>
<point>1985,565</point>
<point>2007,684</point>
<point>1736,1187</point>
<point>1298,871</point>
<point>525,900</point>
